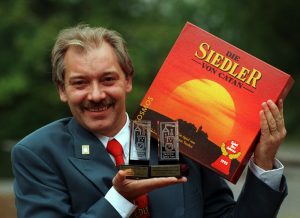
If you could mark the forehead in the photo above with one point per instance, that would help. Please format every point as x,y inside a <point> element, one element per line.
<point>101,50</point>
<point>91,59</point>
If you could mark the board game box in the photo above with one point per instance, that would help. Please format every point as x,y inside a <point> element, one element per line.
<point>214,90</point>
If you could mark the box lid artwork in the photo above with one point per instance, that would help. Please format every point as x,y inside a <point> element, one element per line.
<point>215,91</point>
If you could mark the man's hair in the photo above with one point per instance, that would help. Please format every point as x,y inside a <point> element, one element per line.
<point>86,37</point>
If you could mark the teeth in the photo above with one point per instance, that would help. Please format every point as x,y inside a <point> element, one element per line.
<point>99,109</point>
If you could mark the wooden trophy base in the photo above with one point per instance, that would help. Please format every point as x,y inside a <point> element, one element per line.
<point>137,171</point>
<point>170,170</point>
<point>144,171</point>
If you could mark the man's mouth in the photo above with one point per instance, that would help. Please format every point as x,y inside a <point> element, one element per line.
<point>99,107</point>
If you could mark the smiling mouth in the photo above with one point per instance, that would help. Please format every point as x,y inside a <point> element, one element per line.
<point>98,109</point>
<point>102,106</point>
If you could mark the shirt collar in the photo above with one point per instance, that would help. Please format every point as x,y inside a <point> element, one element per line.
<point>122,136</point>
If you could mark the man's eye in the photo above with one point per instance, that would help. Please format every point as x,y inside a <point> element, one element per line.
<point>109,80</point>
<point>78,83</point>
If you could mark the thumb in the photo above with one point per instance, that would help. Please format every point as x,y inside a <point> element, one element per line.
<point>119,178</point>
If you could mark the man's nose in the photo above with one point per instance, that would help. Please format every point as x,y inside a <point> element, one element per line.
<point>97,93</point>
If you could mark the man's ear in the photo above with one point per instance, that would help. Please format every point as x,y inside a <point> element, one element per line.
<point>128,84</point>
<point>62,93</point>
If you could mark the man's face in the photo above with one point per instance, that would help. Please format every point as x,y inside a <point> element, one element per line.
<point>95,89</point>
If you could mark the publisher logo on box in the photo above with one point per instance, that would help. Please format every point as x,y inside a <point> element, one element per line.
<point>231,149</point>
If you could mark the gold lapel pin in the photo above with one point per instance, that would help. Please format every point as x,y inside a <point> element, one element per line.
<point>85,149</point>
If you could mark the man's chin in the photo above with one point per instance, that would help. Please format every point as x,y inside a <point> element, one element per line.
<point>99,127</point>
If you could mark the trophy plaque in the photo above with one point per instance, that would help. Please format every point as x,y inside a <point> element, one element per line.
<point>168,154</point>
<point>139,151</point>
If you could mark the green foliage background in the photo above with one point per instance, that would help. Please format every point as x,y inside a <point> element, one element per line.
<point>266,29</point>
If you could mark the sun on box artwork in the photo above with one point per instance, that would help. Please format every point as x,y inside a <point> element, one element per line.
<point>215,91</point>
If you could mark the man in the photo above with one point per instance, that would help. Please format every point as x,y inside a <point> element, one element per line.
<point>64,170</point>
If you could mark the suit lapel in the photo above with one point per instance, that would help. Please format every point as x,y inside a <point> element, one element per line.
<point>91,158</point>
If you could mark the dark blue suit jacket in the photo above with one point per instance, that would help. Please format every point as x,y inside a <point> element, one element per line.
<point>54,179</point>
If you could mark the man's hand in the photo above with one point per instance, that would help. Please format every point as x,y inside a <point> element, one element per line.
<point>131,189</point>
<point>272,134</point>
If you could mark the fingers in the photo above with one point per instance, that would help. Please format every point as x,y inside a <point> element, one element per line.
<point>154,183</point>
<point>280,108</point>
<point>271,118</point>
<point>160,182</point>
<point>264,124</point>
<point>277,113</point>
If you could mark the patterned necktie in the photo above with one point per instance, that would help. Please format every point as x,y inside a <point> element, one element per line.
<point>116,150</point>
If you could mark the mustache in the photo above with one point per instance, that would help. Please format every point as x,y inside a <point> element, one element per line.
<point>102,103</point>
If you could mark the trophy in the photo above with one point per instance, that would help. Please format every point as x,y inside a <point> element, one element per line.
<point>168,151</point>
<point>139,152</point>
